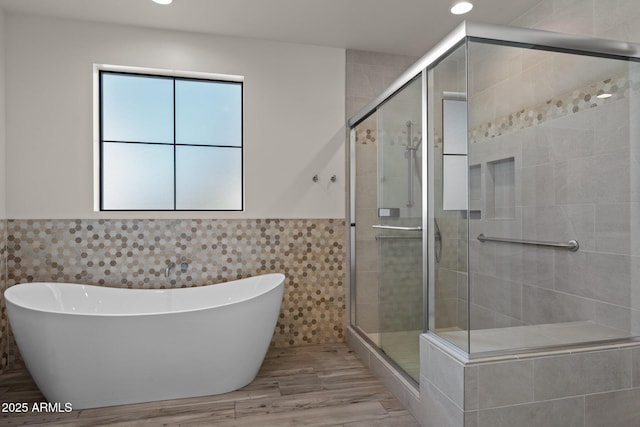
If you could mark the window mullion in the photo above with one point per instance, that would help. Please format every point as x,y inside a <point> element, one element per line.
<point>175,186</point>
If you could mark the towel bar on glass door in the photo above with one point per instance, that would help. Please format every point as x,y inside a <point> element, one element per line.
<point>384,237</point>
<point>396,227</point>
<point>571,245</point>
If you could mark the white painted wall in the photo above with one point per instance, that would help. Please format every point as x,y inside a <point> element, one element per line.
<point>294,115</point>
<point>3,197</point>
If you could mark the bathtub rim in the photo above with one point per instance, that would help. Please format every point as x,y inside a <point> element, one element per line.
<point>277,283</point>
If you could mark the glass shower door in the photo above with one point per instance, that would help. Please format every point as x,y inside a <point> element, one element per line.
<point>451,205</point>
<point>398,232</point>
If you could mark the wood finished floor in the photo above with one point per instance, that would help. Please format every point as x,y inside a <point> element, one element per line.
<point>320,385</point>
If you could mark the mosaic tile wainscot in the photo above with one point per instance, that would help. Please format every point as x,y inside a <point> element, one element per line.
<point>134,253</point>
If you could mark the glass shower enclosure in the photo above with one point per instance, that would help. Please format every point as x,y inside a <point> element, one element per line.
<point>495,197</point>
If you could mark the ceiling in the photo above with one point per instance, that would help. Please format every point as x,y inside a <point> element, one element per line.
<point>407,27</point>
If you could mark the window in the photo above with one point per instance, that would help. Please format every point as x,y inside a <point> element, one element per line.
<point>170,143</point>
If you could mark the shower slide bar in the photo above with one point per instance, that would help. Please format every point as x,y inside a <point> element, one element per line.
<point>571,245</point>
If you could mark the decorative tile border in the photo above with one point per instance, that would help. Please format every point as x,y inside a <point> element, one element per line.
<point>580,99</point>
<point>134,254</point>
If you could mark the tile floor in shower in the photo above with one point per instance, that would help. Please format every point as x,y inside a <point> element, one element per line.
<point>317,385</point>
<point>532,336</point>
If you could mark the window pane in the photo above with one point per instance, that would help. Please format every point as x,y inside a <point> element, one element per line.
<point>208,113</point>
<point>137,109</point>
<point>208,178</point>
<point>137,176</point>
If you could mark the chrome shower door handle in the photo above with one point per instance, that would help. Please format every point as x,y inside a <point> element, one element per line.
<point>396,227</point>
<point>438,241</point>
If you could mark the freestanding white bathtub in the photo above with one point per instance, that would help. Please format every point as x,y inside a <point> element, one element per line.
<point>96,346</point>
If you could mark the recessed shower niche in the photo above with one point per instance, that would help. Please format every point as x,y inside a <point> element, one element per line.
<point>501,189</point>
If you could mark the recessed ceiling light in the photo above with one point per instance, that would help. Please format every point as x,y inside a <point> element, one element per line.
<point>604,95</point>
<point>461,7</point>
<point>163,1</point>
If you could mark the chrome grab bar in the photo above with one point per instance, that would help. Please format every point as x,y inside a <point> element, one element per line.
<point>396,227</point>
<point>571,245</point>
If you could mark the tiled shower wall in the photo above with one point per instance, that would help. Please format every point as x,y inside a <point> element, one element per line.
<point>388,299</point>
<point>366,201</point>
<point>450,270</point>
<point>569,163</point>
<point>134,253</point>
<point>368,74</point>
<point>597,387</point>
<point>574,168</point>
